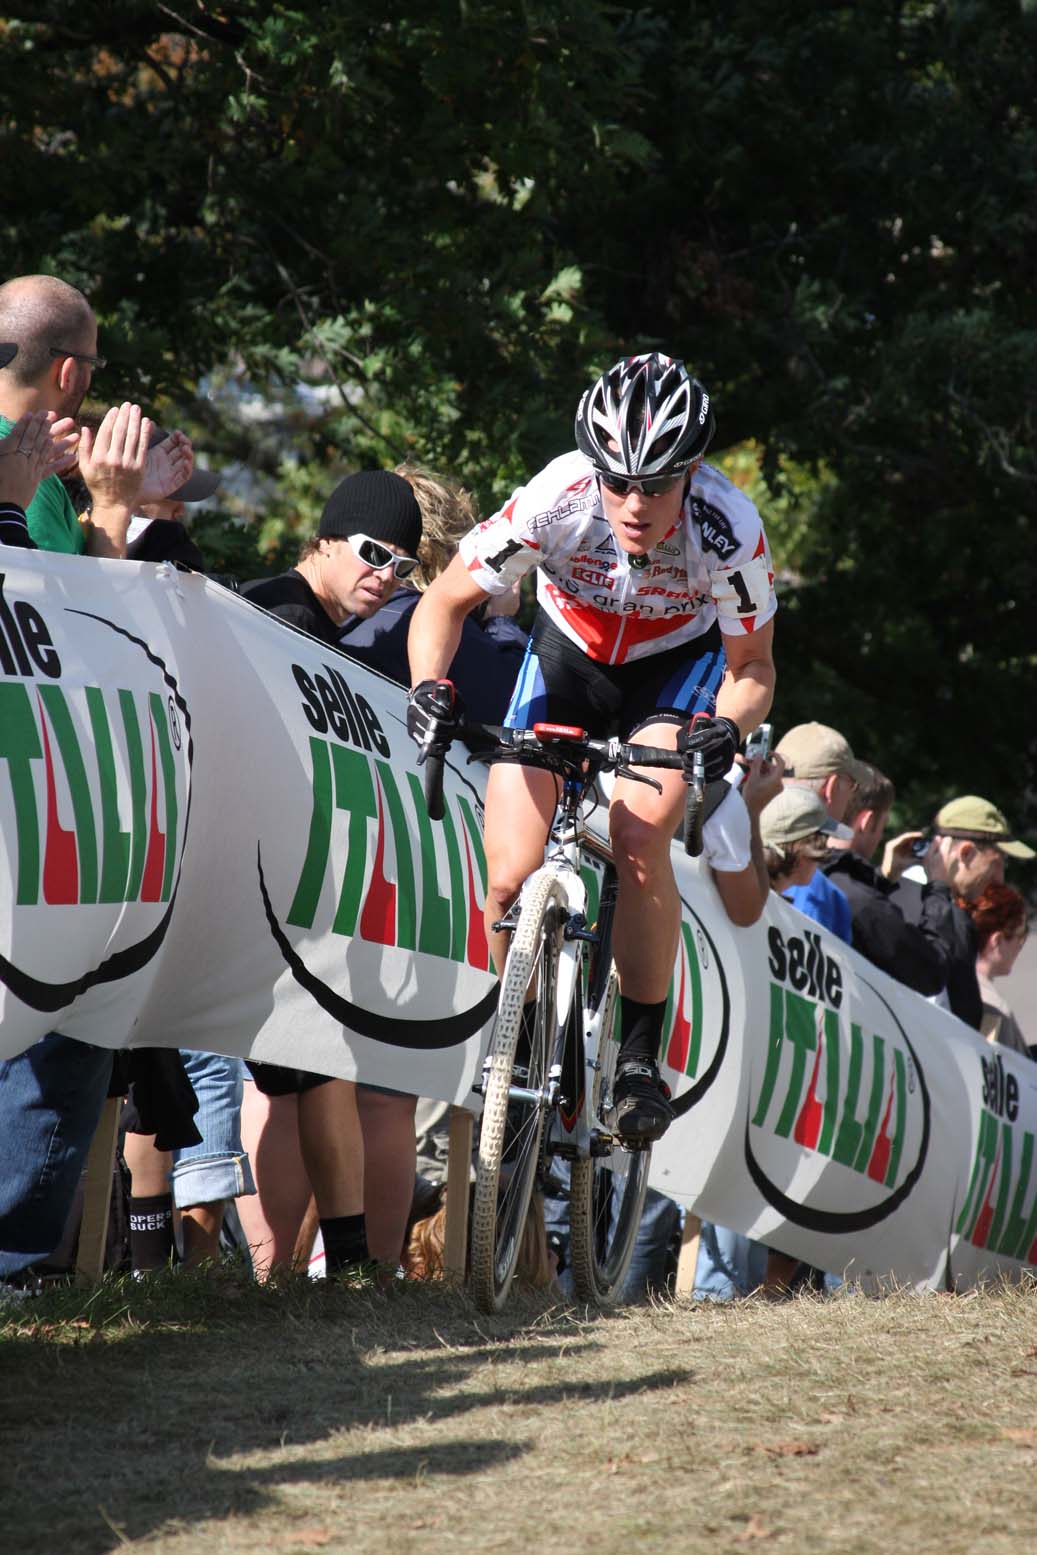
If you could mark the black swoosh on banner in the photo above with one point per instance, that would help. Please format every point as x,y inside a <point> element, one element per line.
<point>49,997</point>
<point>833,1222</point>
<point>685,1102</point>
<point>442,1031</point>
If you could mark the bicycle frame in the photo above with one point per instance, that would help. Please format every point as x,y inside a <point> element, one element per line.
<point>572,1133</point>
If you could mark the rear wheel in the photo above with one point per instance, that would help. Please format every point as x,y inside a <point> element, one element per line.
<point>607,1191</point>
<point>511,1133</point>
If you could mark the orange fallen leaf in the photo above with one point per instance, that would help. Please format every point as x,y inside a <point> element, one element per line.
<point>755,1528</point>
<point>791,1449</point>
<point>1026,1434</point>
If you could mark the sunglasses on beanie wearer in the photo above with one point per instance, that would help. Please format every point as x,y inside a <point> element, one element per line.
<point>377,556</point>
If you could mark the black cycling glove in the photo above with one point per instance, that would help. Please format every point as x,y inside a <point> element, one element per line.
<point>717,739</point>
<point>434,711</point>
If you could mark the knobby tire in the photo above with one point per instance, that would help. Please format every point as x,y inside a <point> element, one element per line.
<point>511,1131</point>
<point>606,1193</point>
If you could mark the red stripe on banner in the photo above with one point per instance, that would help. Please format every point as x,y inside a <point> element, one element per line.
<point>808,1124</point>
<point>478,949</point>
<point>680,1037</point>
<point>155,859</point>
<point>60,860</point>
<point>986,1214</point>
<point>378,919</point>
<point>878,1166</point>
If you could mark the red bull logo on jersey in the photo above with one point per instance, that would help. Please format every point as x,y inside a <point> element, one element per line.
<point>840,1081</point>
<point>373,870</point>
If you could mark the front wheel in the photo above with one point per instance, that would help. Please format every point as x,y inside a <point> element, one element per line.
<point>511,1132</point>
<point>607,1191</point>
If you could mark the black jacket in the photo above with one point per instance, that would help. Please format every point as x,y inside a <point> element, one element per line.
<point>958,936</point>
<point>915,953</point>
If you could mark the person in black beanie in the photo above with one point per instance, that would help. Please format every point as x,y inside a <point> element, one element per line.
<point>365,545</point>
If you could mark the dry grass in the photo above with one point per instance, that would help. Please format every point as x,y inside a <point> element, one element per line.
<point>194,1419</point>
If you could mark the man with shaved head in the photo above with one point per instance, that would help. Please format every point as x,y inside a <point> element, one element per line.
<point>55,331</point>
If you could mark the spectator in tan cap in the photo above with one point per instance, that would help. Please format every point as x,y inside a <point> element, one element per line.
<point>970,840</point>
<point>820,759</point>
<point>915,953</point>
<point>794,829</point>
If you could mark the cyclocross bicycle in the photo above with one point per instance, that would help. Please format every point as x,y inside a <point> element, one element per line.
<point>547,1078</point>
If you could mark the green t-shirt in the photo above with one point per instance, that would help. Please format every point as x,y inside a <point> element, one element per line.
<point>50,515</point>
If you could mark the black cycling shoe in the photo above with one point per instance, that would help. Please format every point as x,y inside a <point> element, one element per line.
<point>641,1111</point>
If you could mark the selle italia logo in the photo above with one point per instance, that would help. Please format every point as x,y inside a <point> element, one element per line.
<point>842,1086</point>
<point>1000,1209</point>
<point>95,806</point>
<point>386,886</point>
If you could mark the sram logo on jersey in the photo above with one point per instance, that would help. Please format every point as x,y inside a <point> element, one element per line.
<point>842,1083</point>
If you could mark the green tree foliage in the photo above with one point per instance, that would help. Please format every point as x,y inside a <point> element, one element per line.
<point>447,216</point>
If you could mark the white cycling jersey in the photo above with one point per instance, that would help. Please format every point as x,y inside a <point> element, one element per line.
<point>714,565</point>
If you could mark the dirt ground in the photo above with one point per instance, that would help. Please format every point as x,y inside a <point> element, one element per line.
<point>202,1416</point>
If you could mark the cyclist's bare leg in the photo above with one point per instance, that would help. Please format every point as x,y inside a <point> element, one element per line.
<point>642,823</point>
<point>520,802</point>
<point>644,941</point>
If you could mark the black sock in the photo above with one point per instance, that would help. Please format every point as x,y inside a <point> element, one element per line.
<point>151,1232</point>
<point>641,1029</point>
<point>345,1242</point>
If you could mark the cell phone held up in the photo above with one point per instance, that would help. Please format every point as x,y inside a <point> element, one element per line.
<point>759,743</point>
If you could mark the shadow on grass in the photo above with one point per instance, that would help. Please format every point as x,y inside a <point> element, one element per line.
<point>146,1416</point>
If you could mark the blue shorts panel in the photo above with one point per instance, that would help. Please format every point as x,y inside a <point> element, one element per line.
<point>559,683</point>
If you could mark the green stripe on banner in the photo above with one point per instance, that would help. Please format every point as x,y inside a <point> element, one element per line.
<point>115,843</point>
<point>307,892</point>
<point>19,746</point>
<point>434,930</point>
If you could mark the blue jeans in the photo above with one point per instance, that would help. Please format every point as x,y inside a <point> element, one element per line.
<point>729,1264</point>
<point>218,1167</point>
<point>51,1098</point>
<point>648,1264</point>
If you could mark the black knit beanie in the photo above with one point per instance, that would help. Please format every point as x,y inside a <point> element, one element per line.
<point>376,503</point>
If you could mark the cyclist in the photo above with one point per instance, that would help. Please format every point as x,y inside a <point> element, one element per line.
<point>656,602</point>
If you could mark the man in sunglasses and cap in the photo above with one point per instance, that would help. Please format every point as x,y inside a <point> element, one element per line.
<point>366,542</point>
<point>656,602</point>
<point>367,539</point>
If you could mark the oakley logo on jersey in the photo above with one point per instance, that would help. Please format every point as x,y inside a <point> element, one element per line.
<point>717,535</point>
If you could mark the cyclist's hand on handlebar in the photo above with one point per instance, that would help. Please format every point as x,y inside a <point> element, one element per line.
<point>717,739</point>
<point>434,712</point>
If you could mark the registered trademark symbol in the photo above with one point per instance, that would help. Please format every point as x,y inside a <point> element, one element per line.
<point>174,723</point>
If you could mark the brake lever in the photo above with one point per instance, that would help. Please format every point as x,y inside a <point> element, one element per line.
<point>639,777</point>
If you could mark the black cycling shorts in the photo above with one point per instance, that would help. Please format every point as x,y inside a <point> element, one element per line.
<point>279,1080</point>
<point>559,684</point>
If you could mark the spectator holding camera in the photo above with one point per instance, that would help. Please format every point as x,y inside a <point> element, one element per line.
<point>970,841</point>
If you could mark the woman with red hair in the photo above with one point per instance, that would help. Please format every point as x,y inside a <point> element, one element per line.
<point>999,916</point>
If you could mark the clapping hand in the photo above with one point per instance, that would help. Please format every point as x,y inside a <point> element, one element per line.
<point>170,465</point>
<point>37,445</point>
<point>113,459</point>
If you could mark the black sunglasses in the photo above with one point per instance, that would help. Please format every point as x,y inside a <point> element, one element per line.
<point>650,485</point>
<point>377,556</point>
<point>80,356</point>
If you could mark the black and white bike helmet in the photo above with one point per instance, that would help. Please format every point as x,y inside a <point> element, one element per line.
<point>647,416</point>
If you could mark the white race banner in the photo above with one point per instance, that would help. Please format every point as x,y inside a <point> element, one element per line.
<point>214,837</point>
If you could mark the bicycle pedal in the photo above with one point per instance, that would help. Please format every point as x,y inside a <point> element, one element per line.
<point>577,928</point>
